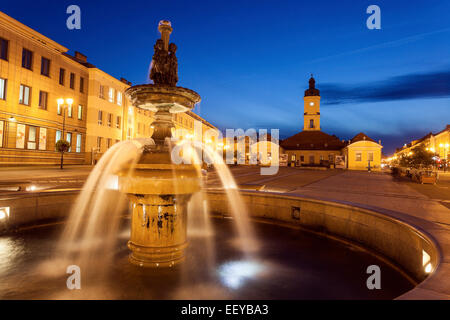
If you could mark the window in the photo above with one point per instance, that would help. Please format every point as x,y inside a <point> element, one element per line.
<point>293,157</point>
<point>358,156</point>
<point>69,140</point>
<point>45,67</point>
<point>139,128</point>
<point>42,138</point>
<point>311,159</point>
<point>31,143</point>
<point>62,76</point>
<point>110,119</point>
<point>370,156</point>
<point>80,112</point>
<point>302,158</point>
<point>72,80</point>
<point>331,158</point>
<point>2,126</point>
<point>57,136</point>
<point>24,96</point>
<point>311,124</point>
<point>100,117</point>
<point>20,136</point>
<point>101,93</point>
<point>78,148</point>
<point>59,110</point>
<point>69,111</point>
<point>43,97</point>
<point>108,143</point>
<point>27,59</point>
<point>118,122</point>
<point>99,143</point>
<point>3,89</point>
<point>4,44</point>
<point>111,95</point>
<point>81,85</point>
<point>119,98</point>
<point>129,133</point>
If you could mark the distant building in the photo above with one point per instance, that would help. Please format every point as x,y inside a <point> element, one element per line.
<point>437,143</point>
<point>313,147</point>
<point>35,72</point>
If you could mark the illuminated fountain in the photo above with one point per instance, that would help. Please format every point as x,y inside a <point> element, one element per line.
<point>158,189</point>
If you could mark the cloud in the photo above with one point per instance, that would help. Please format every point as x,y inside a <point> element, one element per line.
<point>411,86</point>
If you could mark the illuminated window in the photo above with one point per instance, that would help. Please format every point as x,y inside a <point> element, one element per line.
<point>24,95</point>
<point>69,140</point>
<point>111,95</point>
<point>31,143</point>
<point>3,89</point>
<point>57,136</point>
<point>69,111</point>
<point>80,112</point>
<point>119,98</point>
<point>78,148</point>
<point>358,156</point>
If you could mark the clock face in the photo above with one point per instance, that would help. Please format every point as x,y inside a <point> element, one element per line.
<point>311,104</point>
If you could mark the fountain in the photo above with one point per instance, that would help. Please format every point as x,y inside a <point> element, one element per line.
<point>158,189</point>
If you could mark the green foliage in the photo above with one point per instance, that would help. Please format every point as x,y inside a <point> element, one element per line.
<point>419,158</point>
<point>62,146</point>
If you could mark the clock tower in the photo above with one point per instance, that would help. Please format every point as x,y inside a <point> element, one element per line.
<point>311,116</point>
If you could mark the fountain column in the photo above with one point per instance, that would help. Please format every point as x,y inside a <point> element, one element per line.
<point>159,190</point>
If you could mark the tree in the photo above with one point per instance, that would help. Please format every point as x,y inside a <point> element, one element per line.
<point>418,158</point>
<point>62,146</point>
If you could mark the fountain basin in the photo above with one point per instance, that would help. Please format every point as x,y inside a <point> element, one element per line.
<point>293,265</point>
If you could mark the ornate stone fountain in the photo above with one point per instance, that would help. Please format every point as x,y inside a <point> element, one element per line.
<point>158,189</point>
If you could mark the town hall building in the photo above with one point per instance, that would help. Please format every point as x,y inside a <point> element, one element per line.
<point>313,147</point>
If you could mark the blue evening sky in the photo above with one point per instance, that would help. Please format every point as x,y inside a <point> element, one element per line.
<point>251,60</point>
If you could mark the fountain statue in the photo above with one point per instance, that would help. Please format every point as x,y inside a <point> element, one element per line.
<point>158,189</point>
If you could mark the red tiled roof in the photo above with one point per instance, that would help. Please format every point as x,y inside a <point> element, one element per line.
<point>312,140</point>
<point>361,137</point>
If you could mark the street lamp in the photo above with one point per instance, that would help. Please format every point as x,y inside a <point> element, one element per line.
<point>69,102</point>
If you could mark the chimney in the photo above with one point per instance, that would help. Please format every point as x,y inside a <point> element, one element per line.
<point>80,57</point>
<point>125,81</point>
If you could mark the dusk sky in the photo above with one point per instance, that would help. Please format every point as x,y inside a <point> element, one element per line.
<point>251,60</point>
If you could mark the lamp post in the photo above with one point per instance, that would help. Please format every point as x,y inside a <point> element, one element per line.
<point>445,147</point>
<point>69,102</point>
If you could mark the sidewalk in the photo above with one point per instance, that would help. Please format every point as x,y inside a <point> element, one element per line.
<point>28,174</point>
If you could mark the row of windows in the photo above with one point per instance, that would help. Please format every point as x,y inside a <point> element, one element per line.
<point>109,119</point>
<point>35,138</point>
<point>312,158</point>
<point>358,156</point>
<point>27,63</point>
<point>112,97</point>
<point>25,98</point>
<point>108,143</point>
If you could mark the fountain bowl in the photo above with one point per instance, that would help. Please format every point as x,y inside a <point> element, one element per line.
<point>153,97</point>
